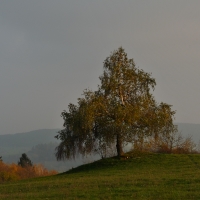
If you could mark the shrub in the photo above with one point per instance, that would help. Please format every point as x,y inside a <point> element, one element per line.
<point>10,172</point>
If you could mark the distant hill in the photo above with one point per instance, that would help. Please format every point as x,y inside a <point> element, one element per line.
<point>28,139</point>
<point>11,144</point>
<point>40,146</point>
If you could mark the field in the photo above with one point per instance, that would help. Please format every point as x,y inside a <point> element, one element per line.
<point>141,176</point>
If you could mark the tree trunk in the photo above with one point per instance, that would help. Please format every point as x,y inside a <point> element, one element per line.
<point>119,146</point>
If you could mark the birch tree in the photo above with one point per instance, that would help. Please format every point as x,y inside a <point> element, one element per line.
<point>121,108</point>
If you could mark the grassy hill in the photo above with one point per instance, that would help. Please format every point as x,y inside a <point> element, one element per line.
<point>142,176</point>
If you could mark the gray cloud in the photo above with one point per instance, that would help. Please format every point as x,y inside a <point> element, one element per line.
<point>50,51</point>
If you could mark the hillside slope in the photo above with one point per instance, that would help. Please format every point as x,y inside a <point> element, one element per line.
<point>143,176</point>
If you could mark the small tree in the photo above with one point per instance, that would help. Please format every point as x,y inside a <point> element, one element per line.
<point>1,159</point>
<point>120,109</point>
<point>24,161</point>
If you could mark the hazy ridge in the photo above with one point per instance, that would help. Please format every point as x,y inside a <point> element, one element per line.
<point>40,145</point>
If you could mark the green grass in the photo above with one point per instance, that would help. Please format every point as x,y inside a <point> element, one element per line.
<point>143,176</point>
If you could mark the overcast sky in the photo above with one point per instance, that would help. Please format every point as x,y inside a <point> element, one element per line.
<point>50,51</point>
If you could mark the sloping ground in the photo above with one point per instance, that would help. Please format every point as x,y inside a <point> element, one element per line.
<point>143,176</point>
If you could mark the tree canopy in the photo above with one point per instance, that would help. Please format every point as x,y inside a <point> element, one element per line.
<point>119,110</point>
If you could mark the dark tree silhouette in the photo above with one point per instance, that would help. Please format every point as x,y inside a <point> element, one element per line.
<point>24,161</point>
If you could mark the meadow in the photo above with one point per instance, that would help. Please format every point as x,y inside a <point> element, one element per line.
<point>141,176</point>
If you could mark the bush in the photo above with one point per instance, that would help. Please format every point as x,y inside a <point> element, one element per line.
<point>11,172</point>
<point>172,142</point>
